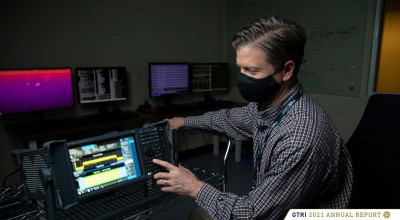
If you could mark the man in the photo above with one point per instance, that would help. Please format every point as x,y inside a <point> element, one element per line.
<point>300,160</point>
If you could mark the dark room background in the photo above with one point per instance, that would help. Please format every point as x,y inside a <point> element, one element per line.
<point>131,33</point>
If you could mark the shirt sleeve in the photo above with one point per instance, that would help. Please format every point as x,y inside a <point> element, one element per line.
<point>294,179</point>
<point>237,123</point>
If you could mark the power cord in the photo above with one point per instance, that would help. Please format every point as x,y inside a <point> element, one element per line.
<point>5,178</point>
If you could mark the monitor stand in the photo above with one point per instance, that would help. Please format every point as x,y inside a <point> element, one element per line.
<point>213,102</point>
<point>208,99</point>
<point>104,113</point>
<point>167,107</point>
<point>102,108</point>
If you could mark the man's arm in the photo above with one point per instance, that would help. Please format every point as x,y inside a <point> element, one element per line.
<point>237,123</point>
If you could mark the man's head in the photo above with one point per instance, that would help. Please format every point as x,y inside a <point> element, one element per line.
<point>279,39</point>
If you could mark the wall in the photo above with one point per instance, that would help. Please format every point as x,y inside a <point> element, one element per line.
<point>346,111</point>
<point>105,33</point>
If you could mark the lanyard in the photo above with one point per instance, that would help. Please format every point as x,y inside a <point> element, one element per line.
<point>278,119</point>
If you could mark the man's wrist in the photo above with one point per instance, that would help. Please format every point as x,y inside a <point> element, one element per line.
<point>197,188</point>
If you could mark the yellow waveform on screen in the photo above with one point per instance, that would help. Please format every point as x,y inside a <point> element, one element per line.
<point>98,160</point>
<point>103,177</point>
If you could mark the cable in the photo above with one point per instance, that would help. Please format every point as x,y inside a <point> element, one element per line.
<point>5,178</point>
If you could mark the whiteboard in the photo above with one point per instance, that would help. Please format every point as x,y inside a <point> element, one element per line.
<point>335,39</point>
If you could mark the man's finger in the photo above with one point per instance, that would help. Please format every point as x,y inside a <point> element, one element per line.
<point>162,182</point>
<point>164,164</point>
<point>161,175</point>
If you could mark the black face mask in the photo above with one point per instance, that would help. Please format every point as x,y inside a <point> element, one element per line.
<point>257,90</point>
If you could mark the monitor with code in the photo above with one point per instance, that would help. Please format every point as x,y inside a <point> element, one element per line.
<point>101,84</point>
<point>169,79</point>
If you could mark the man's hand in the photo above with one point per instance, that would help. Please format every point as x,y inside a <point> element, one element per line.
<point>176,122</point>
<point>178,180</point>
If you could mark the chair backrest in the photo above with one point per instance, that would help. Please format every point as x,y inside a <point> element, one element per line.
<point>375,151</point>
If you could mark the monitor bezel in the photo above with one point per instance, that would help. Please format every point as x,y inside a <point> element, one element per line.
<point>106,100</point>
<point>45,109</point>
<point>189,77</point>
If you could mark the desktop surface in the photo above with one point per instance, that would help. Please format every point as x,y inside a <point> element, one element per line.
<point>195,107</point>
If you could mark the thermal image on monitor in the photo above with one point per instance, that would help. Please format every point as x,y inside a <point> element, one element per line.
<point>35,90</point>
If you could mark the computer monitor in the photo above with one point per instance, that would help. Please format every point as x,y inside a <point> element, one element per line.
<point>33,90</point>
<point>207,77</point>
<point>101,84</point>
<point>169,79</point>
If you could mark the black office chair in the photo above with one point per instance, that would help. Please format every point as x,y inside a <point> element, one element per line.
<point>375,151</point>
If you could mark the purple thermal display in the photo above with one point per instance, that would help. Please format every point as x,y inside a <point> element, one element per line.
<point>35,90</point>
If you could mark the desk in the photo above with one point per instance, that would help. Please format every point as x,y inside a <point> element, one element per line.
<point>76,127</point>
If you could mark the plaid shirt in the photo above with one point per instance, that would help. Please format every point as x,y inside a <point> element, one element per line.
<point>304,163</point>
